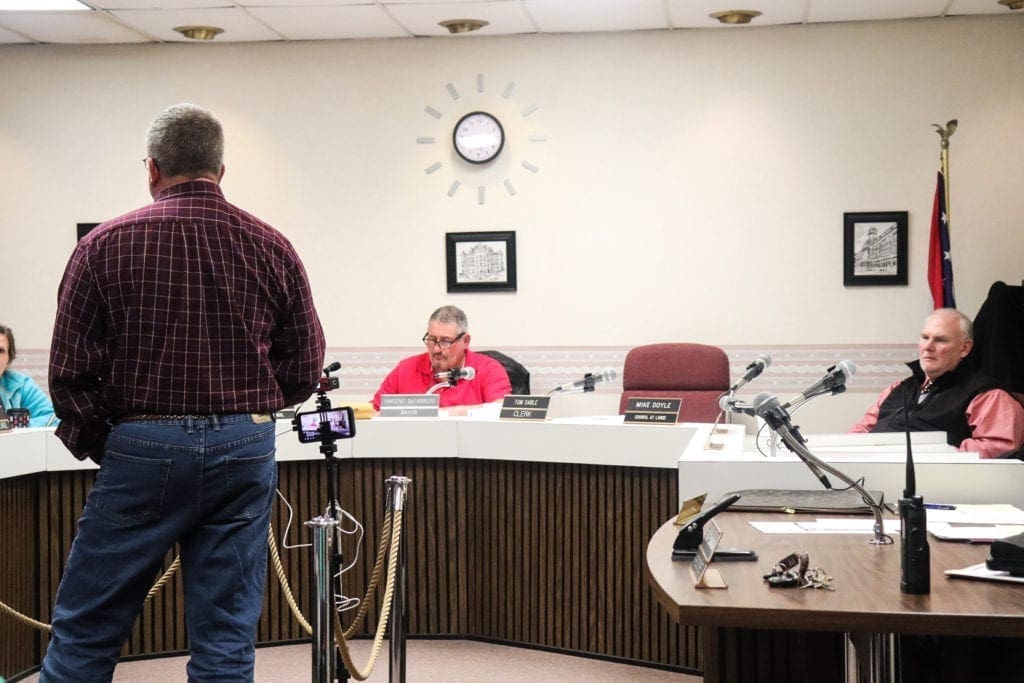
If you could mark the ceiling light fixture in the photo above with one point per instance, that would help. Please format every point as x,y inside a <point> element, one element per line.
<point>199,32</point>
<point>735,16</point>
<point>1013,4</point>
<point>463,25</point>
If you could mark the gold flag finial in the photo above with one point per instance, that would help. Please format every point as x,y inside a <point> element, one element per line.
<point>945,133</point>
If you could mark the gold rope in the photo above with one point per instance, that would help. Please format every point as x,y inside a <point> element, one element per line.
<point>164,578</point>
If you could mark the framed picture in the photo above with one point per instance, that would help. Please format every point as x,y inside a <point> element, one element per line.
<point>481,261</point>
<point>875,248</point>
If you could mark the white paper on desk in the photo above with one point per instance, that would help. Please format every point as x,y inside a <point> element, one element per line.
<point>976,534</point>
<point>825,525</point>
<point>978,514</point>
<point>980,571</point>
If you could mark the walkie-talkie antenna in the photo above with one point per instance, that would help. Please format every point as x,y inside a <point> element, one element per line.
<point>911,483</point>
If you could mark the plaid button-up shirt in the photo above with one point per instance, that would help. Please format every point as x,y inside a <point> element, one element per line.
<point>186,306</point>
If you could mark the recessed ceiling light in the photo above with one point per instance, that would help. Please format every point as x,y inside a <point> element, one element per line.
<point>41,5</point>
<point>199,32</point>
<point>463,25</point>
<point>735,16</point>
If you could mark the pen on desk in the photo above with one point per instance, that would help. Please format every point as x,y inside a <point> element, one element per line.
<point>939,506</point>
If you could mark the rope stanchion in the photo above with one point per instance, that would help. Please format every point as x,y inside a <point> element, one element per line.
<point>385,613</point>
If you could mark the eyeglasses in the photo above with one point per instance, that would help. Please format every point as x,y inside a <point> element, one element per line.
<point>444,344</point>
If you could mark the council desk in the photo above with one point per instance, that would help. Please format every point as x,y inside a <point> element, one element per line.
<point>516,532</point>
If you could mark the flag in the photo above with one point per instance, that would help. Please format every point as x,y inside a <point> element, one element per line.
<point>940,265</point>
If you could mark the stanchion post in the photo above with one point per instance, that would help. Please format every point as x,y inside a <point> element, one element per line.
<point>323,614</point>
<point>398,489</point>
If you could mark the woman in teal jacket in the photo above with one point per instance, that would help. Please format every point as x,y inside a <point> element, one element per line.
<point>17,390</point>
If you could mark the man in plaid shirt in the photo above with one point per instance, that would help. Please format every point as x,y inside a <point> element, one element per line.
<point>180,326</point>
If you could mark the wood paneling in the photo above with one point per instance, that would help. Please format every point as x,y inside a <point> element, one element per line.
<point>544,554</point>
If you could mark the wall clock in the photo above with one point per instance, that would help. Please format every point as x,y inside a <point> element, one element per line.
<point>483,139</point>
<point>478,137</point>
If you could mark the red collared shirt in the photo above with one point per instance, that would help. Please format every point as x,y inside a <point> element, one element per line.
<point>414,375</point>
<point>186,306</point>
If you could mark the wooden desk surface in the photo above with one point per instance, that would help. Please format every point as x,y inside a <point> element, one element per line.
<point>867,595</point>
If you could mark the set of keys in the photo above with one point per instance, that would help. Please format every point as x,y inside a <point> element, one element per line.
<point>792,572</point>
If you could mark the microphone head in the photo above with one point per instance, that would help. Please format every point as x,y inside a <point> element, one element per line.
<point>848,368</point>
<point>764,403</point>
<point>764,360</point>
<point>333,366</point>
<point>468,373</point>
<point>608,375</point>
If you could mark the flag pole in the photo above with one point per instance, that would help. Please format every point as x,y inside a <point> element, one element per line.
<point>945,133</point>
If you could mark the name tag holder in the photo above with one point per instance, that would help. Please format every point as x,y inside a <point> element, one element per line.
<point>703,575</point>
<point>662,411</point>
<point>529,408</point>
<point>409,405</point>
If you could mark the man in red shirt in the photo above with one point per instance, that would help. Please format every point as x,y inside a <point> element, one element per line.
<point>447,342</point>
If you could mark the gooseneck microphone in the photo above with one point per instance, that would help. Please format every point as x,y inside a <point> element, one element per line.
<point>915,555</point>
<point>766,407</point>
<point>455,374</point>
<point>834,382</point>
<point>587,383</point>
<point>756,367</point>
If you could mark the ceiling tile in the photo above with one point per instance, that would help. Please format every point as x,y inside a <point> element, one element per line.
<point>980,7</point>
<point>864,10</point>
<point>696,13</point>
<point>238,25</point>
<point>559,16</point>
<point>69,27</point>
<point>422,18</point>
<point>326,23</point>
<point>159,4</point>
<point>9,37</point>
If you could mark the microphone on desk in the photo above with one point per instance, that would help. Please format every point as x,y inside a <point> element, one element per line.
<point>455,374</point>
<point>834,381</point>
<point>730,404</point>
<point>756,367</point>
<point>766,407</point>
<point>587,383</point>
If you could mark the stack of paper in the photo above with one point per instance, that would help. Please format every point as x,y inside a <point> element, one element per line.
<point>976,523</point>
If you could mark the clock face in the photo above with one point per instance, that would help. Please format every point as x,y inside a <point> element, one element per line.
<point>478,137</point>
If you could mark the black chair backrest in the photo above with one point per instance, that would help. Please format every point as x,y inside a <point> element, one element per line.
<point>518,375</point>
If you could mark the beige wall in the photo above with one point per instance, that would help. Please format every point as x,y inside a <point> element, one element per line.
<point>691,186</point>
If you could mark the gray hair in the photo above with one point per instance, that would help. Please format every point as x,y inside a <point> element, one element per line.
<point>451,314</point>
<point>966,326</point>
<point>186,140</point>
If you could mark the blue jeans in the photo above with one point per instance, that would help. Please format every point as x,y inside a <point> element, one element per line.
<point>206,484</point>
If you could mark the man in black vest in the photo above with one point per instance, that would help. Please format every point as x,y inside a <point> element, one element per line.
<point>944,394</point>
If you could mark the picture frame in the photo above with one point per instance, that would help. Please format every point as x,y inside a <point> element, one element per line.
<point>875,248</point>
<point>481,261</point>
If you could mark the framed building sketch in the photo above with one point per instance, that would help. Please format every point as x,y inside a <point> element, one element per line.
<point>481,261</point>
<point>875,248</point>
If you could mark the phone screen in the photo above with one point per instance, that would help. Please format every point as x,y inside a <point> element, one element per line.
<point>339,420</point>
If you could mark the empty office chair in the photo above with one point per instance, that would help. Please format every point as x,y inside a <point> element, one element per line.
<point>518,375</point>
<point>696,373</point>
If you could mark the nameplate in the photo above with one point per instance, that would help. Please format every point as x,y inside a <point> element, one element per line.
<point>700,569</point>
<point>409,405</point>
<point>663,411</point>
<point>524,407</point>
